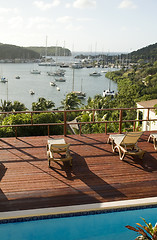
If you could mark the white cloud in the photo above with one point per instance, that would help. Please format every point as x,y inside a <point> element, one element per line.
<point>44,6</point>
<point>84,19</point>
<point>127,4</point>
<point>8,10</point>
<point>64,19</point>
<point>16,22</point>
<point>39,23</point>
<point>71,27</point>
<point>67,5</point>
<point>84,3</point>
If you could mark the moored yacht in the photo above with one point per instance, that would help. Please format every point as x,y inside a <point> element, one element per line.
<point>4,80</point>
<point>79,94</point>
<point>60,79</point>
<point>52,84</point>
<point>95,74</point>
<point>31,91</point>
<point>108,92</point>
<point>35,71</point>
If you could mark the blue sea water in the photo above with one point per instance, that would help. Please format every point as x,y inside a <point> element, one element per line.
<point>105,226</point>
<point>18,89</point>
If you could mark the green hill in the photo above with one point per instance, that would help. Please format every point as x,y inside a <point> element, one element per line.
<point>148,53</point>
<point>8,51</point>
<point>51,51</point>
<point>13,52</point>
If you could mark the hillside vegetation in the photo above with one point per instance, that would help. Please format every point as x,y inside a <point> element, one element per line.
<point>8,51</point>
<point>148,53</point>
<point>51,51</point>
<point>12,52</point>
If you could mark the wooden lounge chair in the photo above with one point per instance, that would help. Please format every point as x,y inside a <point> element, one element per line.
<point>126,144</point>
<point>58,150</point>
<point>153,137</point>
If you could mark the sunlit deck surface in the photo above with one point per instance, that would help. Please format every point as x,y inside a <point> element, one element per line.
<point>97,174</point>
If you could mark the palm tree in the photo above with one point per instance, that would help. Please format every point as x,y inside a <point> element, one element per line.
<point>6,106</point>
<point>17,106</point>
<point>71,102</point>
<point>42,105</point>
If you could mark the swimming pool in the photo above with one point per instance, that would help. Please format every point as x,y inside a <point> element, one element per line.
<point>97,226</point>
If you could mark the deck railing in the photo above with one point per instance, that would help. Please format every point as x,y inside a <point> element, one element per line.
<point>66,123</point>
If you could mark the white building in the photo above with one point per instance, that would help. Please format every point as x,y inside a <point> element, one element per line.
<point>144,113</point>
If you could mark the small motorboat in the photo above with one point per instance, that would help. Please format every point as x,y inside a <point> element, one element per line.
<point>35,71</point>
<point>58,89</point>
<point>95,74</point>
<point>60,79</point>
<point>52,84</point>
<point>31,91</point>
<point>17,77</point>
<point>4,80</point>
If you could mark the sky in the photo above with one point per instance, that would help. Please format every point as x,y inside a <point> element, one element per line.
<point>80,25</point>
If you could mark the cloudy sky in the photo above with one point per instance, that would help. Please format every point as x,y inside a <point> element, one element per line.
<point>80,25</point>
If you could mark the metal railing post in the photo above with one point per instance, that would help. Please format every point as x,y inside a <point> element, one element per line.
<point>48,130</point>
<point>105,128</point>
<point>16,132</point>
<point>134,127</point>
<point>147,123</point>
<point>65,123</point>
<point>31,118</point>
<point>80,128</point>
<point>120,120</point>
<point>94,116</point>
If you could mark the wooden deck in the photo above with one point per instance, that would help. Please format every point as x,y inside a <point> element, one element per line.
<point>97,174</point>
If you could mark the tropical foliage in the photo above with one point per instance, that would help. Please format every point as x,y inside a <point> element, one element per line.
<point>42,118</point>
<point>148,232</point>
<point>71,102</point>
<point>42,105</point>
<point>8,106</point>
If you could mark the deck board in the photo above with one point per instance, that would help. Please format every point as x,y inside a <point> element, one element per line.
<point>97,174</point>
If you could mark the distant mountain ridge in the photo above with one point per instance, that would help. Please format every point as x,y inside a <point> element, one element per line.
<point>51,51</point>
<point>8,51</point>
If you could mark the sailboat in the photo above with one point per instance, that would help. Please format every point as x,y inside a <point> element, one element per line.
<point>47,63</point>
<point>79,94</point>
<point>109,92</point>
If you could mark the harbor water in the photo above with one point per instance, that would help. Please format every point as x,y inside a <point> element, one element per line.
<point>18,88</point>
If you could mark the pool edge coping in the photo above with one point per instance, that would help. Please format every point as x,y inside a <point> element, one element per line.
<point>78,208</point>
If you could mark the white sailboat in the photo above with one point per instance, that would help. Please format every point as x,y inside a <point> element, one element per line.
<point>47,63</point>
<point>35,71</point>
<point>109,92</point>
<point>79,94</point>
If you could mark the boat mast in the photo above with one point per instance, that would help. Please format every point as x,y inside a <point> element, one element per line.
<point>46,50</point>
<point>7,91</point>
<point>81,84</point>
<point>73,81</point>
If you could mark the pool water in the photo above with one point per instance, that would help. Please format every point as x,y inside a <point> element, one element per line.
<point>108,226</point>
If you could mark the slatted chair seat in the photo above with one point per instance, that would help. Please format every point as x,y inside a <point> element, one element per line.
<point>58,150</point>
<point>153,137</point>
<point>126,144</point>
